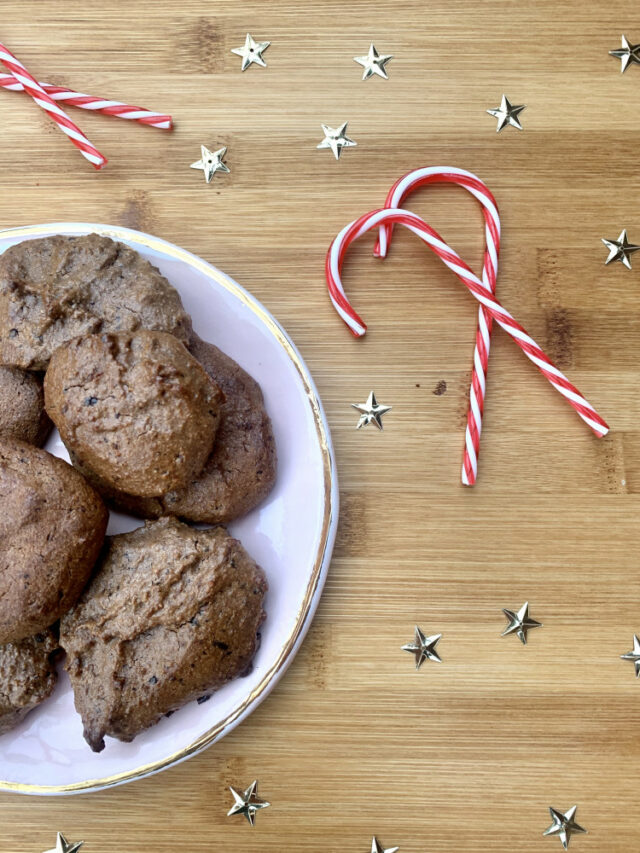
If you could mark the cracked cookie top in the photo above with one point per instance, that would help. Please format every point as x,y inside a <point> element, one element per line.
<point>137,409</point>
<point>170,615</point>
<point>240,472</point>
<point>56,288</point>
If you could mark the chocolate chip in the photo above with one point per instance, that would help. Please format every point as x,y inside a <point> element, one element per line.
<point>202,699</point>
<point>13,333</point>
<point>153,680</point>
<point>90,401</point>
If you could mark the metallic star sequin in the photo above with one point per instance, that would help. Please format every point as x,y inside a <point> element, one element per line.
<point>634,655</point>
<point>251,51</point>
<point>520,622</point>
<point>563,825</point>
<point>64,846</point>
<point>247,803</point>
<point>620,249</point>
<point>507,114</point>
<point>423,648</point>
<point>376,847</point>
<point>211,162</point>
<point>373,63</point>
<point>628,54</point>
<point>336,139</point>
<point>371,412</point>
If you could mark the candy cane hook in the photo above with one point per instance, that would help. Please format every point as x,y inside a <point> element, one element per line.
<point>477,391</point>
<point>450,258</point>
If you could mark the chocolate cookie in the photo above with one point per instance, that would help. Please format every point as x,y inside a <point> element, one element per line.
<point>22,413</point>
<point>27,677</point>
<point>241,470</point>
<point>171,614</point>
<point>56,288</point>
<point>135,408</point>
<point>52,525</point>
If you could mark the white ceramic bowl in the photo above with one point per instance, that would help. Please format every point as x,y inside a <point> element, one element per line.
<point>291,535</point>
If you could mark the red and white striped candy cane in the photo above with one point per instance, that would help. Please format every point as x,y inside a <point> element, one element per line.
<point>335,258</point>
<point>88,102</point>
<point>477,391</point>
<point>33,88</point>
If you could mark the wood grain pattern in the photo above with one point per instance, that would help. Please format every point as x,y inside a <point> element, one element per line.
<point>466,755</point>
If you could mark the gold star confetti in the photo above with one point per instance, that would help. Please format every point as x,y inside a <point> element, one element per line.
<point>628,54</point>
<point>520,622</point>
<point>620,249</point>
<point>507,114</point>
<point>211,162</point>
<point>376,847</point>
<point>251,51</point>
<point>373,63</point>
<point>563,825</point>
<point>424,648</point>
<point>371,412</point>
<point>634,655</point>
<point>336,139</point>
<point>64,846</point>
<point>247,803</point>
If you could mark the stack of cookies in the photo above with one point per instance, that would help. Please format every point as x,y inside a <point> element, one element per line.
<point>157,423</point>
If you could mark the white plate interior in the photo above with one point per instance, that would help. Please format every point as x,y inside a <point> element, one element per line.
<point>290,535</point>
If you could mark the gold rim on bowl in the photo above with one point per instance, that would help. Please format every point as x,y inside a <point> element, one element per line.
<point>329,520</point>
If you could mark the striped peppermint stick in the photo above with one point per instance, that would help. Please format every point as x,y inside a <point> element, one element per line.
<point>397,194</point>
<point>33,88</point>
<point>335,258</point>
<point>88,102</point>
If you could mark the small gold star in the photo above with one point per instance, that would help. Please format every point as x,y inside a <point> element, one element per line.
<point>371,412</point>
<point>336,139</point>
<point>424,648</point>
<point>634,655</point>
<point>507,114</point>
<point>251,51</point>
<point>628,54</point>
<point>563,825</point>
<point>64,846</point>
<point>247,803</point>
<point>620,249</point>
<point>373,63</point>
<point>211,162</point>
<point>376,847</point>
<point>520,622</point>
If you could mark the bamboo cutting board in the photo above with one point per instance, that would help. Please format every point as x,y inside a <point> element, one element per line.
<point>466,755</point>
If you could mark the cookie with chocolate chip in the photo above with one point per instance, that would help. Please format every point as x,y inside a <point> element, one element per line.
<point>27,677</point>
<point>171,614</point>
<point>135,408</point>
<point>53,289</point>
<point>241,470</point>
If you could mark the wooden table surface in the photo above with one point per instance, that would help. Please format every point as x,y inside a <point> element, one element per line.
<point>466,755</point>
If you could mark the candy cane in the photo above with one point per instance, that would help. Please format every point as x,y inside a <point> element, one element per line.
<point>397,194</point>
<point>33,88</point>
<point>335,258</point>
<point>88,102</point>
